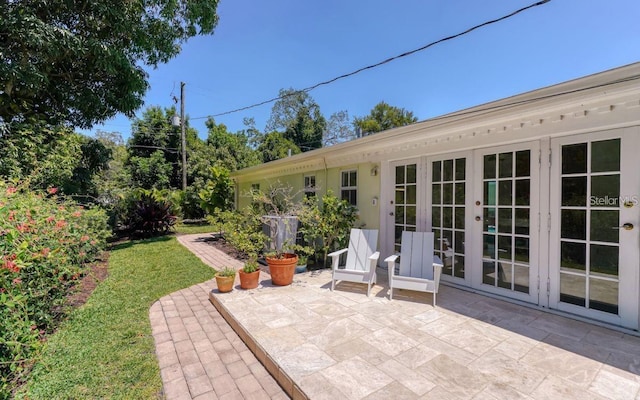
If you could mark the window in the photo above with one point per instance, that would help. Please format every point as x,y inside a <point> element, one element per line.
<point>310,186</point>
<point>349,187</point>
<point>255,188</point>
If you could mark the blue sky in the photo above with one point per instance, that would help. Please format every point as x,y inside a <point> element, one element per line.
<point>260,47</point>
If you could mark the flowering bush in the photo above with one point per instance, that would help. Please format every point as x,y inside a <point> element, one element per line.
<point>45,243</point>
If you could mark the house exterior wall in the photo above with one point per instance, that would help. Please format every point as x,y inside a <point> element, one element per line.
<point>544,124</point>
<point>327,180</point>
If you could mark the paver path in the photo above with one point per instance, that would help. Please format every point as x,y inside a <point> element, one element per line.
<point>200,356</point>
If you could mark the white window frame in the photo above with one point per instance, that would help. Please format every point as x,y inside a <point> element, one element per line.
<point>350,187</point>
<point>310,185</point>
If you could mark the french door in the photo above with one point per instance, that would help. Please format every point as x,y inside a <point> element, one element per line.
<point>506,209</point>
<point>594,243</point>
<point>448,199</point>
<point>406,212</point>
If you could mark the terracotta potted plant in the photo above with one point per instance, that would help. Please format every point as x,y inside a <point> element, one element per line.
<point>225,279</point>
<point>281,209</point>
<point>282,266</point>
<point>249,274</point>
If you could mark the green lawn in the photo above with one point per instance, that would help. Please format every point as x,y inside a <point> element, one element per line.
<point>186,229</point>
<point>105,350</point>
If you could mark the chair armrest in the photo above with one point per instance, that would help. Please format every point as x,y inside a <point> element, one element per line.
<point>391,258</point>
<point>335,258</point>
<point>391,266</point>
<point>336,253</point>
<point>374,256</point>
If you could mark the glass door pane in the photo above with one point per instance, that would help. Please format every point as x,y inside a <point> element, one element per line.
<point>405,200</point>
<point>506,216</point>
<point>589,220</point>
<point>448,197</point>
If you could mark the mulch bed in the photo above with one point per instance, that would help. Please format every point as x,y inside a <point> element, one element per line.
<point>96,273</point>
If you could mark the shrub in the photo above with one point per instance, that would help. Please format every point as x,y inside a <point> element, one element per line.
<point>148,212</point>
<point>326,227</point>
<point>45,242</point>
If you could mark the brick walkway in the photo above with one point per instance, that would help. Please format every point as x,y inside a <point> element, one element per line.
<point>200,356</point>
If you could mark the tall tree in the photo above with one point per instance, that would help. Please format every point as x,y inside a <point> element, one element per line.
<point>339,129</point>
<point>275,146</point>
<point>154,132</point>
<point>298,116</point>
<point>81,62</point>
<point>230,149</point>
<point>382,117</point>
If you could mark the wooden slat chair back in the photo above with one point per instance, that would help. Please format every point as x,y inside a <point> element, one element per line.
<point>419,269</point>
<point>416,255</point>
<point>362,257</point>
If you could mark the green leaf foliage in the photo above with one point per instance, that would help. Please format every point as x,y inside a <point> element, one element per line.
<point>275,146</point>
<point>45,243</point>
<point>382,117</point>
<point>81,62</point>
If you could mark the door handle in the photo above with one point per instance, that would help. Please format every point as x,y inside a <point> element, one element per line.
<point>626,226</point>
<point>391,213</point>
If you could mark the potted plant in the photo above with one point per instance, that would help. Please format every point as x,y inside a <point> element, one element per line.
<point>280,216</point>
<point>225,279</point>
<point>249,274</point>
<point>302,264</point>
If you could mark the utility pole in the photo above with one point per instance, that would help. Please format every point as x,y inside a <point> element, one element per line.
<point>183,138</point>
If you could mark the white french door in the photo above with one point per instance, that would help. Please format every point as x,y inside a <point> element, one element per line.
<point>448,197</point>
<point>506,229</point>
<point>407,211</point>
<point>594,242</point>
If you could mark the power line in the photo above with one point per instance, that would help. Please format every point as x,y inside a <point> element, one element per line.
<point>388,60</point>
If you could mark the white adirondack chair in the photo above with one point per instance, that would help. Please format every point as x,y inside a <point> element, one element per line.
<point>362,258</point>
<point>420,269</point>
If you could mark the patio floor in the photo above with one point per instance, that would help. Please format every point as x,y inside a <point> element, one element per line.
<point>344,345</point>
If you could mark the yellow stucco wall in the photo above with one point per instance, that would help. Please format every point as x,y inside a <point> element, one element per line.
<point>368,186</point>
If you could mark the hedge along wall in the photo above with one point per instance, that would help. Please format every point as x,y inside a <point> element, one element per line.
<point>46,242</point>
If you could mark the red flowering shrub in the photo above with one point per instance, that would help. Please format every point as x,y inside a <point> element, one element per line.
<point>45,243</point>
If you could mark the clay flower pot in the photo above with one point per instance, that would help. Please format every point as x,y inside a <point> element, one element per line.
<point>282,269</point>
<point>249,280</point>
<point>225,283</point>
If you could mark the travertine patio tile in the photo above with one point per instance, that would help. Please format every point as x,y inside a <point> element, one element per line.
<point>355,378</point>
<point>350,349</point>
<point>516,346</point>
<point>497,391</point>
<point>416,356</point>
<point>614,386</point>
<point>563,364</point>
<point>443,325</point>
<point>409,378</point>
<point>439,393</point>
<point>336,332</point>
<point>562,326</point>
<point>454,377</point>
<point>389,341</point>
<point>466,337</point>
<point>504,370</point>
<point>304,360</point>
<point>332,310</point>
<point>591,351</point>
<point>554,387</point>
<point>394,390</point>
<point>277,341</point>
<point>625,365</point>
<point>455,353</point>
